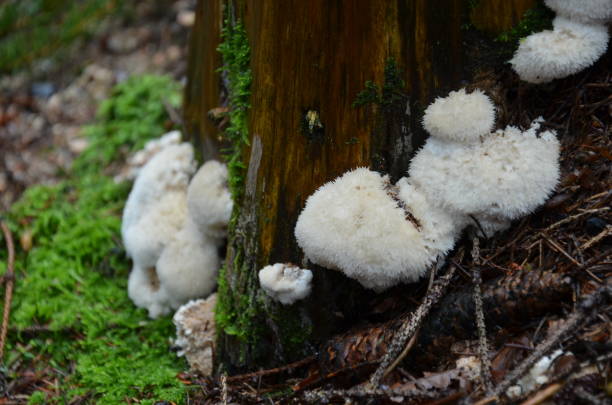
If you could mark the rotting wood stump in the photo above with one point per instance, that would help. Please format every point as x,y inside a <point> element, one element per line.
<point>335,86</point>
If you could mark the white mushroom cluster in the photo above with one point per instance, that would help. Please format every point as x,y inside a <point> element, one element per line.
<point>578,39</point>
<point>285,283</point>
<point>382,234</point>
<point>172,228</point>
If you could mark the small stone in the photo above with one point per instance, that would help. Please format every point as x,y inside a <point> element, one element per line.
<point>186,18</point>
<point>594,225</point>
<point>123,42</point>
<point>173,53</point>
<point>43,89</point>
<point>77,145</point>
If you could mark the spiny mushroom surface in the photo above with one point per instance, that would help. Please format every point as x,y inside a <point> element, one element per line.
<point>578,39</point>
<point>353,225</point>
<point>382,234</point>
<point>172,246</point>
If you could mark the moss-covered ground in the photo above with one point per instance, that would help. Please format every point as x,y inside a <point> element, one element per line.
<point>73,330</point>
<point>33,29</point>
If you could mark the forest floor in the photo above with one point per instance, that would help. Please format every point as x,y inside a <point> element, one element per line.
<point>90,82</point>
<point>45,104</point>
<point>75,338</point>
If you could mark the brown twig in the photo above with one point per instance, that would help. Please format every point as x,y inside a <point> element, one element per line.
<point>360,392</point>
<point>9,278</point>
<point>543,395</point>
<point>262,373</point>
<point>410,326</point>
<point>597,238</point>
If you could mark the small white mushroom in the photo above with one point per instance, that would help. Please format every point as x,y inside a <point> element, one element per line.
<point>285,283</point>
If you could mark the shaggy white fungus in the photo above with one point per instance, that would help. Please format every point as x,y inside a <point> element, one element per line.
<point>505,175</point>
<point>587,11</point>
<point>210,198</point>
<point>285,283</point>
<point>188,265</point>
<point>352,224</point>
<point>382,234</point>
<point>579,37</point>
<point>172,231</point>
<point>151,148</point>
<point>460,116</point>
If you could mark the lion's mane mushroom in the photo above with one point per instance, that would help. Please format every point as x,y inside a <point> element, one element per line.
<point>172,230</point>
<point>382,234</point>
<point>357,224</point>
<point>188,265</point>
<point>155,210</point>
<point>578,39</point>
<point>503,176</point>
<point>588,11</point>
<point>285,283</point>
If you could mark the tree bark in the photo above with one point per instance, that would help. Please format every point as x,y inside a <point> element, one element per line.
<point>310,120</point>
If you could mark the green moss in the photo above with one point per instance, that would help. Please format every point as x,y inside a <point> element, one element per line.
<point>536,19</point>
<point>389,94</point>
<point>32,29</point>
<point>133,114</point>
<point>235,51</point>
<point>472,4</point>
<point>369,95</point>
<point>235,310</point>
<point>73,281</point>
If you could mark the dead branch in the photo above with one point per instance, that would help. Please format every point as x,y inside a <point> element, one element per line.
<point>9,278</point>
<point>483,346</point>
<point>404,396</point>
<point>262,373</point>
<point>543,395</point>
<point>410,326</point>
<point>597,238</point>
